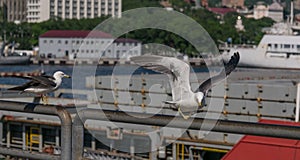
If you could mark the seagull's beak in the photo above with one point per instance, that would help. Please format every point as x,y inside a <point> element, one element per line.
<point>67,76</point>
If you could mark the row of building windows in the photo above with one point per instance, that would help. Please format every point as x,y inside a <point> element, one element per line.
<point>78,42</point>
<point>100,51</point>
<point>33,7</point>
<point>33,13</point>
<point>34,1</point>
<point>285,46</point>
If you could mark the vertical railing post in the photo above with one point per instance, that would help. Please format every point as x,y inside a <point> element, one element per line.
<point>297,111</point>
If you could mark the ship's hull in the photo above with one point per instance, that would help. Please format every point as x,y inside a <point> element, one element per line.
<point>14,60</point>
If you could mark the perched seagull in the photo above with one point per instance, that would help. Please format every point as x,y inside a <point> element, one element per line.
<point>42,84</point>
<point>183,98</point>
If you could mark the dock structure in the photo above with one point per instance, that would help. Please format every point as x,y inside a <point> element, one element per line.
<point>124,117</point>
<point>100,61</point>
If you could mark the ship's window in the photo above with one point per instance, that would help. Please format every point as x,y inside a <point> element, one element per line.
<point>287,46</point>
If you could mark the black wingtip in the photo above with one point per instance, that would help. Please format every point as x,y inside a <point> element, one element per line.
<point>233,62</point>
<point>235,59</point>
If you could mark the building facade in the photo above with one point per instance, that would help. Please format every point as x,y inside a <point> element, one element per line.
<point>38,10</point>
<point>276,12</point>
<point>14,10</point>
<point>260,10</point>
<point>42,10</point>
<point>86,44</point>
<point>233,3</point>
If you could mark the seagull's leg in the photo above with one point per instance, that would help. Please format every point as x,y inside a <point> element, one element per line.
<point>44,99</point>
<point>47,102</point>
<point>184,116</point>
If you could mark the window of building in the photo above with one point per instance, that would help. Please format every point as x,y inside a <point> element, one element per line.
<point>59,41</point>
<point>287,46</point>
<point>45,41</point>
<point>66,42</point>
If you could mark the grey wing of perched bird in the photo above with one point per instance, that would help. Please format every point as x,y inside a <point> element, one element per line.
<point>228,68</point>
<point>177,70</point>
<point>36,82</point>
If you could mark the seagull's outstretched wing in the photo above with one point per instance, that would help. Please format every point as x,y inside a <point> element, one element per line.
<point>177,70</point>
<point>36,82</point>
<point>229,67</point>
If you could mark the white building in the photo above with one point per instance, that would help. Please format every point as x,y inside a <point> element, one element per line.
<point>86,44</point>
<point>13,10</point>
<point>260,10</point>
<point>276,12</point>
<point>42,10</point>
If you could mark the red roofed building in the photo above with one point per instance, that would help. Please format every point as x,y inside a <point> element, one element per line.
<point>75,34</point>
<point>266,148</point>
<point>86,44</point>
<point>221,11</point>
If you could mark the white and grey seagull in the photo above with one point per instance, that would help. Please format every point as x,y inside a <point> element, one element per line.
<point>42,84</point>
<point>183,98</point>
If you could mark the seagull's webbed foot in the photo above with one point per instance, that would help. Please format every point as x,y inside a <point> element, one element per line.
<point>184,116</point>
<point>44,99</point>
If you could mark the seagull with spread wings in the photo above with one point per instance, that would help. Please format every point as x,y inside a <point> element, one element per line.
<point>42,84</point>
<point>183,98</point>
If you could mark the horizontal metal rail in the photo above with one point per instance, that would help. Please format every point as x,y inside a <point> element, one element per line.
<point>64,116</point>
<point>27,154</point>
<point>235,127</point>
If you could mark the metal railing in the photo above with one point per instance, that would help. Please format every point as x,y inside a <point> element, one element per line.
<point>235,127</point>
<point>66,127</point>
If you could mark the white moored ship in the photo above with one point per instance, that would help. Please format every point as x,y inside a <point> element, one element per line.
<point>273,51</point>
